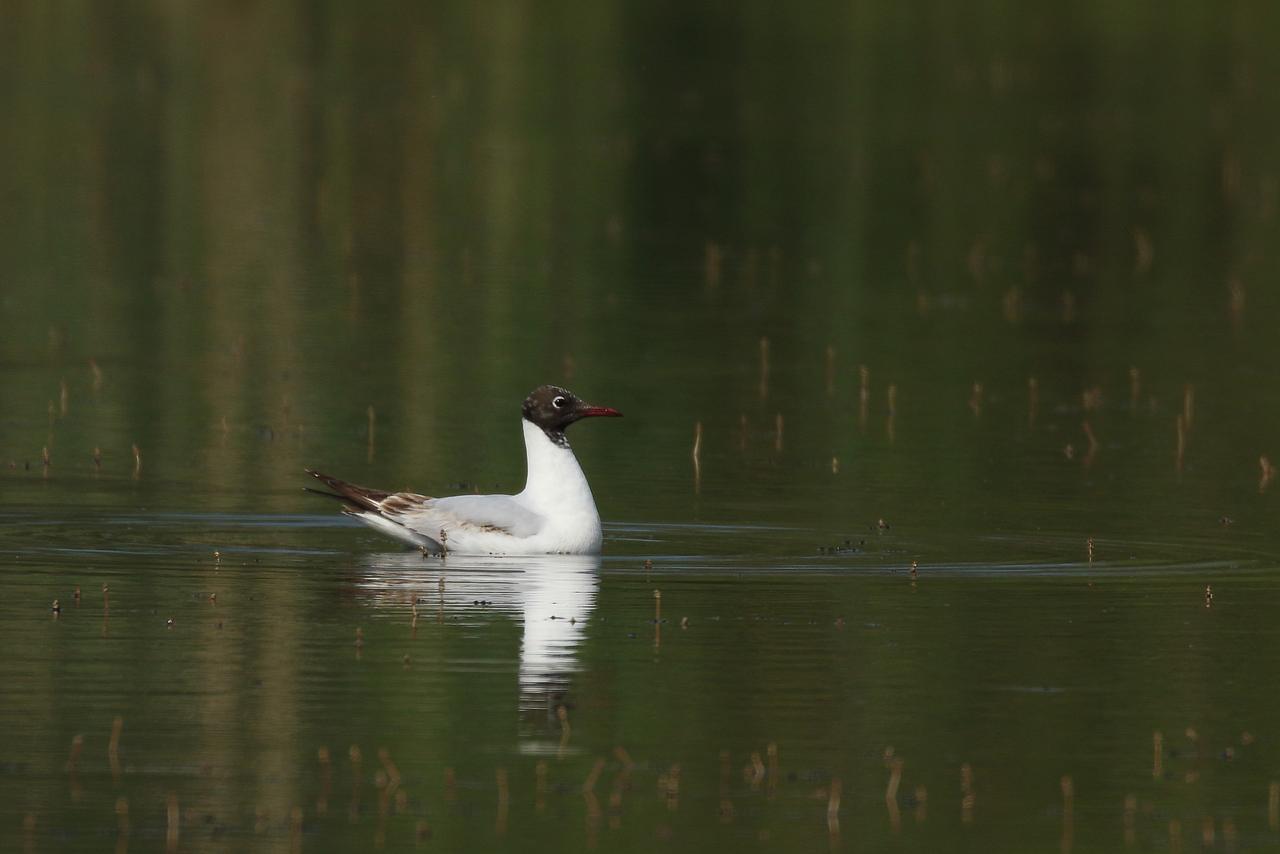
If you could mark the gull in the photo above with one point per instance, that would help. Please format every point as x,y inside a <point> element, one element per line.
<point>555,513</point>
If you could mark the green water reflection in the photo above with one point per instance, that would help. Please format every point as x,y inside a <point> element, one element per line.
<point>964,286</point>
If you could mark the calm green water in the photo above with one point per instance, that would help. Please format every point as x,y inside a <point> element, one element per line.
<point>965,289</point>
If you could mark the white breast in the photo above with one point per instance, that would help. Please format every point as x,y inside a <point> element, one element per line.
<point>557,490</point>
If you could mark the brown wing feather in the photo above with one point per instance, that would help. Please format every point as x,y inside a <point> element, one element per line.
<point>362,497</point>
<point>399,503</point>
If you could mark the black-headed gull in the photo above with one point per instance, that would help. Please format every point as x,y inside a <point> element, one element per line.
<point>554,514</point>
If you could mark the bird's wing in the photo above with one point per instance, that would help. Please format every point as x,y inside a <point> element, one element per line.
<point>471,513</point>
<point>429,517</point>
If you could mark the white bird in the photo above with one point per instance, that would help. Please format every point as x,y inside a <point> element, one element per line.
<point>554,514</point>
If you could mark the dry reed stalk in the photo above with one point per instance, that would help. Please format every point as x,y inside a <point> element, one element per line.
<point>697,457</point>
<point>891,794</point>
<point>967,796</point>
<point>1129,821</point>
<point>504,802</point>
<point>113,747</point>
<point>593,777</point>
<point>712,263</point>
<point>1182,441</point>
<point>173,821</point>
<point>326,780</point>
<point>975,399</point>
<point>864,394</point>
<point>726,810</point>
<point>540,786</point>
<point>357,780</point>
<point>771,751</point>
<point>764,368</point>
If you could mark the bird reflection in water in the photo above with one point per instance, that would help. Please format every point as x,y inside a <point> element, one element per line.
<point>552,596</point>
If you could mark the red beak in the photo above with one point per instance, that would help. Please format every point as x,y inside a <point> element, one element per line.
<point>589,411</point>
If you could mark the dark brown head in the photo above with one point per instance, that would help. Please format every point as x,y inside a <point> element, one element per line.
<point>553,409</point>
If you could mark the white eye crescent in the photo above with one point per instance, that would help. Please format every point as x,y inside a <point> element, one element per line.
<point>558,403</point>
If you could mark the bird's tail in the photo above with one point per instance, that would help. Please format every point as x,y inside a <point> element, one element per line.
<point>355,498</point>
<point>366,505</point>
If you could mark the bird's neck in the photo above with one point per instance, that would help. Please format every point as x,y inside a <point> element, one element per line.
<point>556,481</point>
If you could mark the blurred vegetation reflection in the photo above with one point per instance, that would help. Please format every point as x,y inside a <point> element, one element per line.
<point>279,215</point>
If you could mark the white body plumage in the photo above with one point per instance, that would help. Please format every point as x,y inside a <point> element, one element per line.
<point>554,514</point>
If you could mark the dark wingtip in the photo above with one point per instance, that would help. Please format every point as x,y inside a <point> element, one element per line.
<point>359,496</point>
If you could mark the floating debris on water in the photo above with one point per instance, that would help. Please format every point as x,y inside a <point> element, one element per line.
<point>848,547</point>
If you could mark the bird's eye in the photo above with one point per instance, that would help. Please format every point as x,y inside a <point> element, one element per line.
<point>559,403</point>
